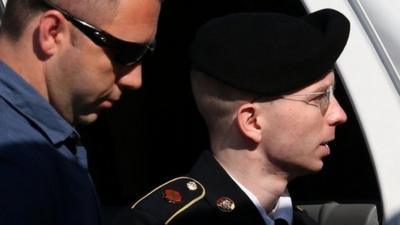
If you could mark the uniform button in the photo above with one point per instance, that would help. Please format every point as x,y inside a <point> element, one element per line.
<point>191,185</point>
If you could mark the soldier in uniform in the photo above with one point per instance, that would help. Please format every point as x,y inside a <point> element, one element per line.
<point>264,84</point>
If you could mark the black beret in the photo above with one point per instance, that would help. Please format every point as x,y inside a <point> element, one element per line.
<point>268,53</point>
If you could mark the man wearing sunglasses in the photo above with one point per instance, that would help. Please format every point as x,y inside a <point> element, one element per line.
<point>61,62</point>
<point>264,85</point>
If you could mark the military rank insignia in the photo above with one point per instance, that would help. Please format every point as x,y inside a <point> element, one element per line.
<point>172,196</point>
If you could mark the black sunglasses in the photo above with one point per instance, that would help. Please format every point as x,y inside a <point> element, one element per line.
<point>123,52</point>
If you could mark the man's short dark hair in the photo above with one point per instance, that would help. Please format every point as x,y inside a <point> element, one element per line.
<point>19,13</point>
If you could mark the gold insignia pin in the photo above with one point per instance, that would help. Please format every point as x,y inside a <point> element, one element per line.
<point>225,204</point>
<point>191,185</point>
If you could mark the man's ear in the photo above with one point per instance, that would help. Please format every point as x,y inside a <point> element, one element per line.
<point>53,30</point>
<point>248,122</point>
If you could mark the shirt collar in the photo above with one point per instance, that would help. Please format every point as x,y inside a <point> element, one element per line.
<point>283,208</point>
<point>27,101</point>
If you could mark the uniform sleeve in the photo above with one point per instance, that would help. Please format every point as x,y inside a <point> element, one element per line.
<point>23,197</point>
<point>136,217</point>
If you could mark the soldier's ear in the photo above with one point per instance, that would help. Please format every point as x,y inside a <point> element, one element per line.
<point>248,122</point>
<point>53,30</point>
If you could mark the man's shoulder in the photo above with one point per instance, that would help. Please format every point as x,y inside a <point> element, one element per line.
<point>16,132</point>
<point>169,200</point>
<point>12,122</point>
<point>5,109</point>
<point>21,142</point>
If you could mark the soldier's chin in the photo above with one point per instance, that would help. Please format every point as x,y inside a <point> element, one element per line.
<point>88,119</point>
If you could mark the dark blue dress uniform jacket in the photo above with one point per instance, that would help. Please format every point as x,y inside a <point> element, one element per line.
<point>42,180</point>
<point>207,196</point>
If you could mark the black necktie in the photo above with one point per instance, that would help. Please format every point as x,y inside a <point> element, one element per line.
<point>280,221</point>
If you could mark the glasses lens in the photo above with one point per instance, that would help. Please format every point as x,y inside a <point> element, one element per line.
<point>326,100</point>
<point>130,55</point>
<point>124,52</point>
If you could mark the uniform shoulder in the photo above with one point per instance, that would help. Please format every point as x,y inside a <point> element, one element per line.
<point>170,199</point>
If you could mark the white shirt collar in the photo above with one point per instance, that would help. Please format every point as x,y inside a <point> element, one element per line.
<point>283,208</point>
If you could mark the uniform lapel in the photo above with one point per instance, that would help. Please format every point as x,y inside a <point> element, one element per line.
<point>301,218</point>
<point>234,205</point>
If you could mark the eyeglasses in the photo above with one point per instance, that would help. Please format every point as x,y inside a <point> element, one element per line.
<point>123,52</point>
<point>321,100</point>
